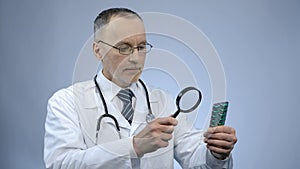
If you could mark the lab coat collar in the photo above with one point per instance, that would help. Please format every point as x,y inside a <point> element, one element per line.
<point>80,90</point>
<point>110,89</point>
<point>140,112</point>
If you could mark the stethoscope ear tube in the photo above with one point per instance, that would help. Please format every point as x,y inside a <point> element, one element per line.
<point>147,97</point>
<point>150,116</point>
<point>101,95</point>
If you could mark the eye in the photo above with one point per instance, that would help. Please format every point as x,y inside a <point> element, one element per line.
<point>124,47</point>
<point>142,47</point>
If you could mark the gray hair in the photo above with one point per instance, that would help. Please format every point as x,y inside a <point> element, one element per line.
<point>104,17</point>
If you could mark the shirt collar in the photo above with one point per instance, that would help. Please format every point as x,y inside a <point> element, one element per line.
<point>110,89</point>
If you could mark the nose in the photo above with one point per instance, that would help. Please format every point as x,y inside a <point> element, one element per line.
<point>134,56</point>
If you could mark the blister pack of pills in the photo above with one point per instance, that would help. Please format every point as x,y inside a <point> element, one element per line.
<point>218,115</point>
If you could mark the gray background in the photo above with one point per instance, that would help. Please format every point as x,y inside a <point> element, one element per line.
<point>258,42</point>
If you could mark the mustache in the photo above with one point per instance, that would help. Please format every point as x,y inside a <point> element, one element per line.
<point>135,68</point>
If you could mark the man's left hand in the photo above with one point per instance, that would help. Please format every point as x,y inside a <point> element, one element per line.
<point>220,141</point>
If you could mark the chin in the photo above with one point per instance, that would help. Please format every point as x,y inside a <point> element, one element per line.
<point>136,78</point>
<point>128,79</point>
<point>131,80</point>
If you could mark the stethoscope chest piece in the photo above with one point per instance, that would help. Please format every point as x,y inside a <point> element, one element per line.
<point>149,117</point>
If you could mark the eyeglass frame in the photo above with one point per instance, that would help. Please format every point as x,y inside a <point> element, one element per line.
<point>131,47</point>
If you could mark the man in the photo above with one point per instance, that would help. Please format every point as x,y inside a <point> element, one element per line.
<point>102,124</point>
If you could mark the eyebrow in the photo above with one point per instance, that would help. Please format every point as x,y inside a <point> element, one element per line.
<point>127,43</point>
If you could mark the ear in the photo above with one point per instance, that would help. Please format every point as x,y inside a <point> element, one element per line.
<point>96,51</point>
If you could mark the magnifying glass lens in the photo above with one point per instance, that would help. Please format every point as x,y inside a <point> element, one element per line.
<point>189,100</point>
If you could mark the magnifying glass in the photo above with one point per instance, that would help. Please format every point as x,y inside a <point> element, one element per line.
<point>187,100</point>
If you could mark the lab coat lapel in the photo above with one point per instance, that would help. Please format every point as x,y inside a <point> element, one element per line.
<point>88,115</point>
<point>140,112</point>
<point>123,123</point>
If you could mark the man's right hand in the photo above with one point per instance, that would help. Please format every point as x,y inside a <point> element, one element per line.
<point>154,136</point>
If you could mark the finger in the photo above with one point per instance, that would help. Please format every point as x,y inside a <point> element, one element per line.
<point>156,130</point>
<point>167,121</point>
<point>220,144</point>
<point>219,150</point>
<point>222,136</point>
<point>220,129</point>
<point>165,128</point>
<point>166,137</point>
<point>161,141</point>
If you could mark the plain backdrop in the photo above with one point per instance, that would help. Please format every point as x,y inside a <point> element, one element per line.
<point>258,42</point>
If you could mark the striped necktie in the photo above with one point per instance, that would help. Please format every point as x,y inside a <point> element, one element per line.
<point>126,97</point>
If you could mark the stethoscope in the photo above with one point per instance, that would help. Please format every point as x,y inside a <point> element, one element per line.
<point>149,116</point>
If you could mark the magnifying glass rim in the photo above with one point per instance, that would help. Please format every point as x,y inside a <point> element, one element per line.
<point>182,92</point>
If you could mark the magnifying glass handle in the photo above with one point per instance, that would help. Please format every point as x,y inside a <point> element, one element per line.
<point>176,114</point>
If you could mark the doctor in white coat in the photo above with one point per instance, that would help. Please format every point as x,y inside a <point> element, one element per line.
<point>72,139</point>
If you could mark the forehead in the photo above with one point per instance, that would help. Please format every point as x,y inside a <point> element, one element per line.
<point>121,28</point>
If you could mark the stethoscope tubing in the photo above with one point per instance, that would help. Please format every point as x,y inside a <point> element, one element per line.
<point>149,117</point>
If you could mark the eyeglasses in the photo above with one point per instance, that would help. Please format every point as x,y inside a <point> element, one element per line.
<point>126,49</point>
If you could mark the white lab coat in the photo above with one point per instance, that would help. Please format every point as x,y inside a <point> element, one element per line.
<point>70,134</point>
